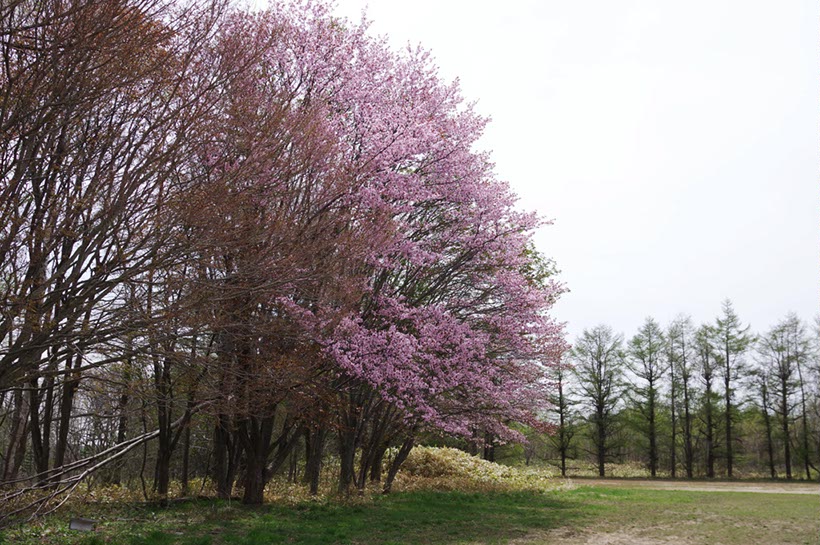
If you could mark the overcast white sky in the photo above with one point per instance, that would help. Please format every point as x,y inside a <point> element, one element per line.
<point>674,143</point>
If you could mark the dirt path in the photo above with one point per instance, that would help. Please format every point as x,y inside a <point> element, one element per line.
<point>736,486</point>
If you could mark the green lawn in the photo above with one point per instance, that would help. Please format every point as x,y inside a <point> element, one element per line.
<point>457,518</point>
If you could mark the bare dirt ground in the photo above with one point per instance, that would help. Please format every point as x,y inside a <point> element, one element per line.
<point>563,536</point>
<point>701,486</point>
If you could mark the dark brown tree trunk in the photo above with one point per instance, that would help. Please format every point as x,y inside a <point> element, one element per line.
<point>710,452</point>
<point>186,455</point>
<point>601,442</point>
<point>122,429</point>
<point>16,448</point>
<point>255,478</point>
<point>226,457</point>
<point>162,388</point>
<point>688,449</point>
<point>39,444</point>
<point>653,440</point>
<point>347,456</point>
<point>489,447</point>
<point>805,426</point>
<point>673,462</point>
<point>769,443</point>
<point>315,441</point>
<point>401,456</point>
<point>71,381</point>
<point>374,446</point>
<point>728,397</point>
<point>784,414</point>
<point>378,461</point>
<point>255,434</point>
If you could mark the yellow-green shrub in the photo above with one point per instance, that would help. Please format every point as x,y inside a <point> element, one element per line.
<point>452,469</point>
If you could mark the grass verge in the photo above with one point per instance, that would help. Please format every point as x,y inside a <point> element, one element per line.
<point>585,514</point>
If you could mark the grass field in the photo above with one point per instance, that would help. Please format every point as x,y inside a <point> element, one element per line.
<point>586,514</point>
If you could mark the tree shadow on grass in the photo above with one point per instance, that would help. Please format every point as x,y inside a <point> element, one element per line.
<point>427,518</point>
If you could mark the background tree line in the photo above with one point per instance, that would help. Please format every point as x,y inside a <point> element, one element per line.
<point>714,400</point>
<point>239,243</point>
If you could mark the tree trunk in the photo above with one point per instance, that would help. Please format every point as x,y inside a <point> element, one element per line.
<point>71,381</point>
<point>39,444</point>
<point>347,455</point>
<point>784,413</point>
<point>729,454</point>
<point>401,456</point>
<point>688,451</point>
<point>162,386</point>
<point>489,447</point>
<point>653,440</point>
<point>769,443</point>
<point>673,463</point>
<point>601,443</point>
<point>315,441</point>
<point>226,457</point>
<point>186,454</point>
<point>15,450</point>
<point>255,478</point>
<point>805,427</point>
<point>376,467</point>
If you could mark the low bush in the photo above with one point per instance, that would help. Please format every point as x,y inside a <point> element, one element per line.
<point>443,468</point>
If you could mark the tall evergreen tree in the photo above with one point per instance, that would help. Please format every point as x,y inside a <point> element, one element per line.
<point>647,362</point>
<point>707,363</point>
<point>733,340</point>
<point>562,410</point>
<point>598,358</point>
<point>681,361</point>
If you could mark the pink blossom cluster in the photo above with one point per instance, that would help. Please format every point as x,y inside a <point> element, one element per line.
<point>434,307</point>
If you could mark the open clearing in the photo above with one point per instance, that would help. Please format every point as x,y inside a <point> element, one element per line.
<point>652,512</point>
<point>609,513</point>
<point>706,486</point>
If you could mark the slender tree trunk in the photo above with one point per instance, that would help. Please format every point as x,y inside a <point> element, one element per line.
<point>39,449</point>
<point>601,442</point>
<point>562,432</point>
<point>710,452</point>
<point>729,453</point>
<point>805,427</point>
<point>688,450</point>
<point>489,447</point>
<point>162,382</point>
<point>784,413</point>
<point>122,421</point>
<point>673,463</point>
<point>769,443</point>
<point>16,447</point>
<point>653,439</point>
<point>401,456</point>
<point>71,381</point>
<point>378,460</point>
<point>186,454</point>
